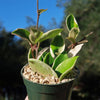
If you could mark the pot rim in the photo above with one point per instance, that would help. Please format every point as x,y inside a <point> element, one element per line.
<point>47,84</point>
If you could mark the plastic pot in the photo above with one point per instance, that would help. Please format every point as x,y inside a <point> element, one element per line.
<point>37,91</point>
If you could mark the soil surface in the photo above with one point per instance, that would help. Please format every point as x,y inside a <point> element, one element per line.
<point>35,77</point>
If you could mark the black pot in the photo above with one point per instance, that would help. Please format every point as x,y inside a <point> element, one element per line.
<point>37,91</point>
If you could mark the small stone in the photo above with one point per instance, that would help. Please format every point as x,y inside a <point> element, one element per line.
<point>45,82</point>
<point>57,80</point>
<point>26,76</point>
<point>28,70</point>
<point>65,80</point>
<point>36,80</point>
<point>41,81</point>
<point>52,82</point>
<point>53,78</point>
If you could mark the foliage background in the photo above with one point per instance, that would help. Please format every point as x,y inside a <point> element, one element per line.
<point>13,53</point>
<point>87,15</point>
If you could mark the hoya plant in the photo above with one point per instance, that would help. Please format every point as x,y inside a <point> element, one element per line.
<point>54,60</point>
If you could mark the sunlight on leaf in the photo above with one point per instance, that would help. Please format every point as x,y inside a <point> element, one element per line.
<point>66,65</point>
<point>50,34</point>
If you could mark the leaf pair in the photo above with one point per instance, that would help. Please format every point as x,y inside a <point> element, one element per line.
<point>31,36</point>
<point>73,28</point>
<point>35,36</point>
<point>66,66</point>
<point>63,65</point>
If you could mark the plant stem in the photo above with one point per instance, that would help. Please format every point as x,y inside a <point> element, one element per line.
<point>35,47</point>
<point>37,14</point>
<point>32,50</point>
<point>84,38</point>
<point>38,48</point>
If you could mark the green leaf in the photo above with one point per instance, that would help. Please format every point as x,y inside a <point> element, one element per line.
<point>50,34</point>
<point>73,33</point>
<point>71,22</point>
<point>57,46</point>
<point>41,11</point>
<point>48,59</point>
<point>41,68</point>
<point>60,58</point>
<point>70,74</point>
<point>66,66</point>
<point>23,33</point>
<point>35,35</point>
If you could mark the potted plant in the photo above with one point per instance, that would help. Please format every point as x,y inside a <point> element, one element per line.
<point>50,72</point>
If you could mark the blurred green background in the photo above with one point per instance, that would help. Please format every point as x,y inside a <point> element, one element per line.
<point>13,53</point>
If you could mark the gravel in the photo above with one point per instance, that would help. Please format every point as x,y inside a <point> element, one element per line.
<point>37,78</point>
